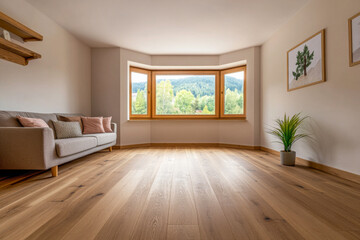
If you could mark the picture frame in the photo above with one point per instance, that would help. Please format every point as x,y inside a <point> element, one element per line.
<point>354,40</point>
<point>306,62</point>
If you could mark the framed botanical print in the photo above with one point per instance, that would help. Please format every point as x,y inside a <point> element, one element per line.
<point>354,40</point>
<point>306,62</point>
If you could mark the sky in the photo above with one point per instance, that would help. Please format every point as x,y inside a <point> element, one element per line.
<point>237,75</point>
<point>171,77</point>
<point>138,77</point>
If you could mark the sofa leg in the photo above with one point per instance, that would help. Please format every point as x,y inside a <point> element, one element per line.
<point>55,171</point>
<point>110,149</point>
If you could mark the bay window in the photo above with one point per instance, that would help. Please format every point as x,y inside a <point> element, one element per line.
<point>176,94</point>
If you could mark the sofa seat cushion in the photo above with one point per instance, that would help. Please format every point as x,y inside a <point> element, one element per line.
<point>69,146</point>
<point>103,138</point>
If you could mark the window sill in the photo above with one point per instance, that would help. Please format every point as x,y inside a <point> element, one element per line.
<point>187,119</point>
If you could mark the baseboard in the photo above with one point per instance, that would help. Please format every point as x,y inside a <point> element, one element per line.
<point>187,145</point>
<point>133,146</point>
<point>330,170</point>
<point>238,146</point>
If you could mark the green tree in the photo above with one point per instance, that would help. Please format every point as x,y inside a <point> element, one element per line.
<point>303,61</point>
<point>164,98</point>
<point>184,102</point>
<point>232,100</point>
<point>240,101</point>
<point>209,101</point>
<point>140,103</point>
<point>133,111</point>
<point>196,105</point>
<point>206,110</point>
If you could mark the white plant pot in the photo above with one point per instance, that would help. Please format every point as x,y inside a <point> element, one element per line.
<point>287,158</point>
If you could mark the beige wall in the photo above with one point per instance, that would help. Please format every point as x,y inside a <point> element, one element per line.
<point>134,132</point>
<point>62,81</point>
<point>184,131</point>
<point>105,84</point>
<point>59,81</point>
<point>193,131</point>
<point>245,132</point>
<point>333,105</point>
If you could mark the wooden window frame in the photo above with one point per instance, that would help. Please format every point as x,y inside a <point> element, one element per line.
<point>219,93</point>
<point>148,73</point>
<point>222,94</point>
<point>185,72</point>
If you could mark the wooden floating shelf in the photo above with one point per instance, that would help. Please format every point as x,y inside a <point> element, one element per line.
<point>19,29</point>
<point>16,53</point>
<point>11,51</point>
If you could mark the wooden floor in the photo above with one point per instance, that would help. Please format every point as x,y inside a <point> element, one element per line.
<point>184,193</point>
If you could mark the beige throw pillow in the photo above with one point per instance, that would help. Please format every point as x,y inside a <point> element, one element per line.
<point>71,119</point>
<point>67,129</point>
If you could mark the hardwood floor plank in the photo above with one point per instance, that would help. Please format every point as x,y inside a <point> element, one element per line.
<point>93,190</point>
<point>182,205</point>
<point>312,175</point>
<point>183,232</point>
<point>153,221</point>
<point>25,224</point>
<point>342,216</point>
<point>249,215</point>
<point>91,223</point>
<point>179,193</point>
<point>11,194</point>
<point>39,189</point>
<point>122,223</point>
<point>212,221</point>
<point>8,216</point>
<point>305,222</point>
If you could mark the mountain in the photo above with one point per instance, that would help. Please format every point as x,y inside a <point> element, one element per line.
<point>198,85</point>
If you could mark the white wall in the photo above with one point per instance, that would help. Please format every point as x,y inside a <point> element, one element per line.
<point>242,132</point>
<point>334,105</point>
<point>59,81</point>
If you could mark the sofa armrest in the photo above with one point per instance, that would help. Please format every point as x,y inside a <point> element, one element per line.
<point>114,127</point>
<point>26,148</point>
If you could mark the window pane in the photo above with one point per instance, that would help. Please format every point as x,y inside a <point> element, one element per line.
<point>234,93</point>
<point>185,94</point>
<point>139,93</point>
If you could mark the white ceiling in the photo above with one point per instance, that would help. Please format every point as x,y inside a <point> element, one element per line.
<point>171,26</point>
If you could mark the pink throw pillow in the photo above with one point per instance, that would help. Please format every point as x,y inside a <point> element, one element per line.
<point>32,122</point>
<point>92,125</point>
<point>107,124</point>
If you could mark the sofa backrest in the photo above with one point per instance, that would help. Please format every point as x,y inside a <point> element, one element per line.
<point>8,118</point>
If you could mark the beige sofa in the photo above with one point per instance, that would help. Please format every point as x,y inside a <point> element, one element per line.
<point>38,149</point>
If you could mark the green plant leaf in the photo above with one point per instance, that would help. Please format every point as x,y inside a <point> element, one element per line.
<point>286,130</point>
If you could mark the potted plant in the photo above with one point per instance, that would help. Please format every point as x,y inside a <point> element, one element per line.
<point>286,130</point>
